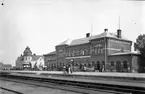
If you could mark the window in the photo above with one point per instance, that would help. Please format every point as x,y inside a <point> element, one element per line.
<point>92,50</point>
<point>77,53</point>
<point>89,65</point>
<point>83,52</point>
<point>86,51</point>
<point>96,50</point>
<point>69,53</point>
<point>66,53</point>
<point>112,63</point>
<point>125,64</point>
<point>73,53</point>
<point>102,50</point>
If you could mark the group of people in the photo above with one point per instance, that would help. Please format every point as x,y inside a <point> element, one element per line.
<point>67,69</point>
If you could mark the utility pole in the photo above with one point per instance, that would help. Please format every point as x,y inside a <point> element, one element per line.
<point>119,22</point>
<point>91,29</point>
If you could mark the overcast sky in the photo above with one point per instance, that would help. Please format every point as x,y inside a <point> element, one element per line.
<point>42,24</point>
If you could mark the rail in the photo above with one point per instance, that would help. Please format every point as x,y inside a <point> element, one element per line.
<point>83,85</point>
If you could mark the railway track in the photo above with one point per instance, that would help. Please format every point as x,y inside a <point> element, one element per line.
<point>64,84</point>
<point>8,91</point>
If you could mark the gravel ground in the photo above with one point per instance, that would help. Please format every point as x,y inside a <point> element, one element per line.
<point>30,89</point>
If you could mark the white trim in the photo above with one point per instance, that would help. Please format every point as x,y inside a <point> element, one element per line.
<point>78,57</point>
<point>116,49</point>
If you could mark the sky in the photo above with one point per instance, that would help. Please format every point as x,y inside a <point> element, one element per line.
<point>42,24</point>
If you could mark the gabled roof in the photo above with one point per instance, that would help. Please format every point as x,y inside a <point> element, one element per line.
<point>36,57</point>
<point>87,39</point>
<point>19,59</point>
<point>51,53</point>
<point>80,41</point>
<point>108,34</point>
<point>66,42</point>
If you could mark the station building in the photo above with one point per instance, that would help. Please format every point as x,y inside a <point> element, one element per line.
<point>107,51</point>
<point>51,61</point>
<point>29,60</point>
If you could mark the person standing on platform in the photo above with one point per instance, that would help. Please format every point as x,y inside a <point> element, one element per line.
<point>64,69</point>
<point>69,69</point>
<point>103,69</point>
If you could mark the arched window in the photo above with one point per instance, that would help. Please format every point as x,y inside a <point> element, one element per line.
<point>101,50</point>
<point>118,66</point>
<point>77,52</point>
<point>81,66</point>
<point>83,52</point>
<point>89,65</point>
<point>98,65</point>
<point>69,53</point>
<point>86,51</point>
<point>112,63</point>
<point>89,51</point>
<point>74,52</point>
<point>125,64</point>
<point>96,50</point>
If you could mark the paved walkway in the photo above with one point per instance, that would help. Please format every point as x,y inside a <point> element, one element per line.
<point>107,74</point>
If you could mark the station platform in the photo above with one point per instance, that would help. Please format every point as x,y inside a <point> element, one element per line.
<point>103,74</point>
<point>90,77</point>
<point>86,75</point>
<point>120,79</point>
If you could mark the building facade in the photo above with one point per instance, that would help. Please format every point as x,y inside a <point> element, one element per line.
<point>107,51</point>
<point>50,61</point>
<point>1,65</point>
<point>29,60</point>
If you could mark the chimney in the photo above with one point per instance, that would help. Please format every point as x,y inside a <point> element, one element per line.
<point>88,35</point>
<point>106,30</point>
<point>119,33</point>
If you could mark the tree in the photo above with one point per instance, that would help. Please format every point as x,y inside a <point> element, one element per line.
<point>140,46</point>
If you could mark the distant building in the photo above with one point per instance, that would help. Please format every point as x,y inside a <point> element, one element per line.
<point>107,51</point>
<point>29,61</point>
<point>7,66</point>
<point>1,64</point>
<point>19,62</point>
<point>50,60</point>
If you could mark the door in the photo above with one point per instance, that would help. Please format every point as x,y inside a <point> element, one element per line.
<point>118,66</point>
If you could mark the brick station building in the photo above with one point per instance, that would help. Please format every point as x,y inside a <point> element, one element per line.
<point>107,51</point>
<point>51,61</point>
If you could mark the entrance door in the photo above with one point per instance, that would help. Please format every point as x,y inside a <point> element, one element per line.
<point>118,66</point>
<point>98,65</point>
